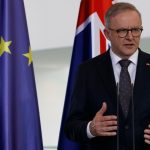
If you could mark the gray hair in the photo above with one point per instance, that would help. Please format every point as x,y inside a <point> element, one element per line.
<point>118,8</point>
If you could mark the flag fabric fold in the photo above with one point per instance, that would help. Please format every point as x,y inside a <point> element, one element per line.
<point>89,42</point>
<point>20,127</point>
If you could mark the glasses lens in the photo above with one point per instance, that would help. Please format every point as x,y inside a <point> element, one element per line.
<point>122,32</point>
<point>136,31</point>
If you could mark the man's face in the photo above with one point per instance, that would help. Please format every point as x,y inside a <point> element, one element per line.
<point>124,46</point>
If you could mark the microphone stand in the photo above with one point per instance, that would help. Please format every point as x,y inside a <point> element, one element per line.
<point>133,127</point>
<point>118,116</point>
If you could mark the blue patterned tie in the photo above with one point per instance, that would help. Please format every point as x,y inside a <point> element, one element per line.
<point>125,89</point>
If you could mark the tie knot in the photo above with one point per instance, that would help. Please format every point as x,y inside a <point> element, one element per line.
<point>124,63</point>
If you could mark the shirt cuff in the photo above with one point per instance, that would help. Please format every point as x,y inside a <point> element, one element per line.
<point>89,134</point>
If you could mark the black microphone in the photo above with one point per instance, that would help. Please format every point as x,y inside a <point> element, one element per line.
<point>133,127</point>
<point>117,89</point>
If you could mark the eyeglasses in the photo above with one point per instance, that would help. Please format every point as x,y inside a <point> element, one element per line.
<point>136,32</point>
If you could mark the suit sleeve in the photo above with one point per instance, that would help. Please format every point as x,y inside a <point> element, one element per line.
<point>76,124</point>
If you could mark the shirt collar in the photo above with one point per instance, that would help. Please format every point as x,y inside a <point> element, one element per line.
<point>115,58</point>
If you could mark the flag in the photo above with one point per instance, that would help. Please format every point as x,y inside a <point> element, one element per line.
<point>89,42</point>
<point>19,114</point>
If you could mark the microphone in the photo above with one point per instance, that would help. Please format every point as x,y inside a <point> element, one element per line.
<point>133,127</point>
<point>118,124</point>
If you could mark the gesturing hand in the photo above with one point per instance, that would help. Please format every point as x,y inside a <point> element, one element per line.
<point>147,135</point>
<point>103,125</point>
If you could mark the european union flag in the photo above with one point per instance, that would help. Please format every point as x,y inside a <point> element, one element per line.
<point>19,115</point>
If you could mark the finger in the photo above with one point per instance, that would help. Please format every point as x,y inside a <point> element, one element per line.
<point>103,109</point>
<point>108,129</point>
<point>147,131</point>
<point>108,133</point>
<point>108,118</point>
<point>147,137</point>
<point>147,141</point>
<point>108,123</point>
<point>105,124</point>
<point>100,128</point>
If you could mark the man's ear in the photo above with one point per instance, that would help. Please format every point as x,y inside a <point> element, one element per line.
<point>107,33</point>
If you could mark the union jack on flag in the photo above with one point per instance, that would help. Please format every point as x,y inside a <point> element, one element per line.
<point>89,42</point>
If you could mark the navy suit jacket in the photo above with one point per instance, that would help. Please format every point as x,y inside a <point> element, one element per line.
<point>95,83</point>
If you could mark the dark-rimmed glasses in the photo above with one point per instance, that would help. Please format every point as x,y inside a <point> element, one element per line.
<point>136,32</point>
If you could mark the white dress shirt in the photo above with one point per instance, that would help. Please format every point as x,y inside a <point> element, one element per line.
<point>117,69</point>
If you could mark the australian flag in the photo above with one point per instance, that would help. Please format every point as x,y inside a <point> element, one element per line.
<point>19,114</point>
<point>89,42</point>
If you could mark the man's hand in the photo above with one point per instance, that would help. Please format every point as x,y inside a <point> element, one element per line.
<point>147,135</point>
<point>103,125</point>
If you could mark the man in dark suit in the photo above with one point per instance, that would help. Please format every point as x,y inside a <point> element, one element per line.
<point>97,119</point>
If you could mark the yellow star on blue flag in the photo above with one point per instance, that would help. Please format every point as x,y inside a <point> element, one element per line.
<point>29,56</point>
<point>4,46</point>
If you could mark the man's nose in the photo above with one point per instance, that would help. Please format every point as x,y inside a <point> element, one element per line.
<point>129,35</point>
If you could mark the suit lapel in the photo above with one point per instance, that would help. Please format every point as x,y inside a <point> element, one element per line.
<point>141,77</point>
<point>105,71</point>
